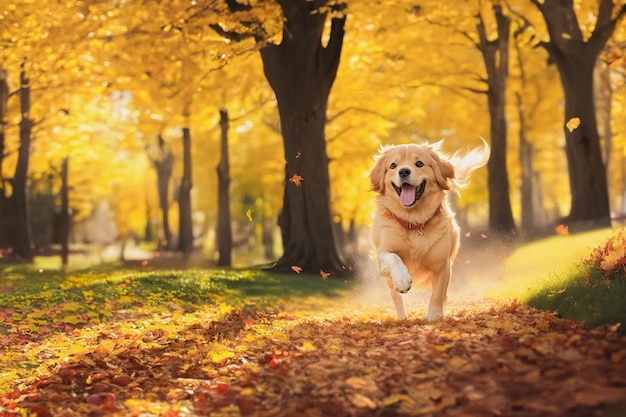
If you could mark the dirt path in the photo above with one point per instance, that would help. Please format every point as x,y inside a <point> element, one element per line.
<point>311,360</point>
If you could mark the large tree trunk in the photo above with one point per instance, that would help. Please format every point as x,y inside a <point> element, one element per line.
<point>575,58</point>
<point>301,72</point>
<point>185,226</point>
<point>224,231</point>
<point>23,236</point>
<point>495,55</point>
<point>163,165</point>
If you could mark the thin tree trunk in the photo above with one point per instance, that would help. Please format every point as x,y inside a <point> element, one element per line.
<point>185,226</point>
<point>301,72</point>
<point>526,186</point>
<point>163,165</point>
<point>495,55</point>
<point>23,235</point>
<point>65,213</point>
<point>224,232</point>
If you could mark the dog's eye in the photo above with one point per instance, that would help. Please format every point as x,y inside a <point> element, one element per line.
<point>419,164</point>
<point>393,165</point>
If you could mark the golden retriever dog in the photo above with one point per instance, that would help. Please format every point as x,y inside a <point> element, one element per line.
<point>413,231</point>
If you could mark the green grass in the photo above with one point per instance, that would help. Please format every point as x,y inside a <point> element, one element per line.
<point>95,295</point>
<point>584,294</point>
<point>549,274</point>
<point>537,264</point>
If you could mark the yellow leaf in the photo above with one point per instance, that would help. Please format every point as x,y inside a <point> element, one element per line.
<point>308,346</point>
<point>249,214</point>
<point>125,299</point>
<point>362,401</point>
<point>565,35</point>
<point>572,123</point>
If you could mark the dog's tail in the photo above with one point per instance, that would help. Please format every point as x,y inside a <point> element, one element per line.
<point>466,162</point>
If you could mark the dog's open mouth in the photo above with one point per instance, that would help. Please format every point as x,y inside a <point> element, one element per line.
<point>409,194</point>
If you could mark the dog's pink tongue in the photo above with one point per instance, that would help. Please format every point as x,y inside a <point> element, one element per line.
<point>407,196</point>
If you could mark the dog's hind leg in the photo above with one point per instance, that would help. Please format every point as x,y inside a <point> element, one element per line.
<point>438,298</point>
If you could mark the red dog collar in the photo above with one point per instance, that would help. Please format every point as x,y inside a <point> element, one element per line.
<point>412,226</point>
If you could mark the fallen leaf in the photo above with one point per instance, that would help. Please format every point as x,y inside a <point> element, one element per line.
<point>324,274</point>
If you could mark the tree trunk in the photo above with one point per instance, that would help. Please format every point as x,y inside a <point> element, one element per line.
<point>301,71</point>
<point>224,232</point>
<point>495,55</point>
<point>526,165</point>
<point>65,213</point>
<point>23,239</point>
<point>163,165</point>
<point>575,59</point>
<point>185,226</point>
<point>588,184</point>
<point>4,97</point>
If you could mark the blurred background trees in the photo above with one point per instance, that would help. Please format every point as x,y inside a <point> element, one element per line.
<point>127,90</point>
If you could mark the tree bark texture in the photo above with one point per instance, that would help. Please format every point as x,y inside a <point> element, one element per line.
<point>224,231</point>
<point>575,59</point>
<point>185,226</point>
<point>301,71</point>
<point>163,165</point>
<point>23,236</point>
<point>495,55</point>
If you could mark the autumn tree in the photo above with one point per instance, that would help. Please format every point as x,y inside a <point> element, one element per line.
<point>575,52</point>
<point>495,53</point>
<point>19,198</point>
<point>301,71</point>
<point>224,232</point>
<point>163,160</point>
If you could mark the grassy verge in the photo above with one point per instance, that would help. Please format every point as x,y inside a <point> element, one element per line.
<point>549,274</point>
<point>36,302</point>
<point>586,295</point>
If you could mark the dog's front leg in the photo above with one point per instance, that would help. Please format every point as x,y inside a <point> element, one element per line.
<point>438,298</point>
<point>397,300</point>
<point>391,265</point>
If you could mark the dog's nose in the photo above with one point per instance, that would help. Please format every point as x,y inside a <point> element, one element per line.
<point>404,172</point>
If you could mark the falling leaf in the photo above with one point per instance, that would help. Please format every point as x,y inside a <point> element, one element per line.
<point>566,35</point>
<point>296,269</point>
<point>298,155</point>
<point>572,123</point>
<point>483,236</point>
<point>249,214</point>
<point>468,234</point>
<point>296,179</point>
<point>324,274</point>
<point>562,230</point>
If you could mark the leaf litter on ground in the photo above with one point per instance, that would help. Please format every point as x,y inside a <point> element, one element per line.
<point>313,356</point>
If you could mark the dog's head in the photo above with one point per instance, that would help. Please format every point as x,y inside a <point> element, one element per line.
<point>408,172</point>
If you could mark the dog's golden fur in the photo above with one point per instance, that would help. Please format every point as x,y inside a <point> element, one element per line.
<point>413,230</point>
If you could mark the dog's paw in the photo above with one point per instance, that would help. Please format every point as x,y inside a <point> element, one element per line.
<point>434,314</point>
<point>402,280</point>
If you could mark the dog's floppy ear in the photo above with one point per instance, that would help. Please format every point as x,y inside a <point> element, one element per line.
<point>377,174</point>
<point>444,170</point>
